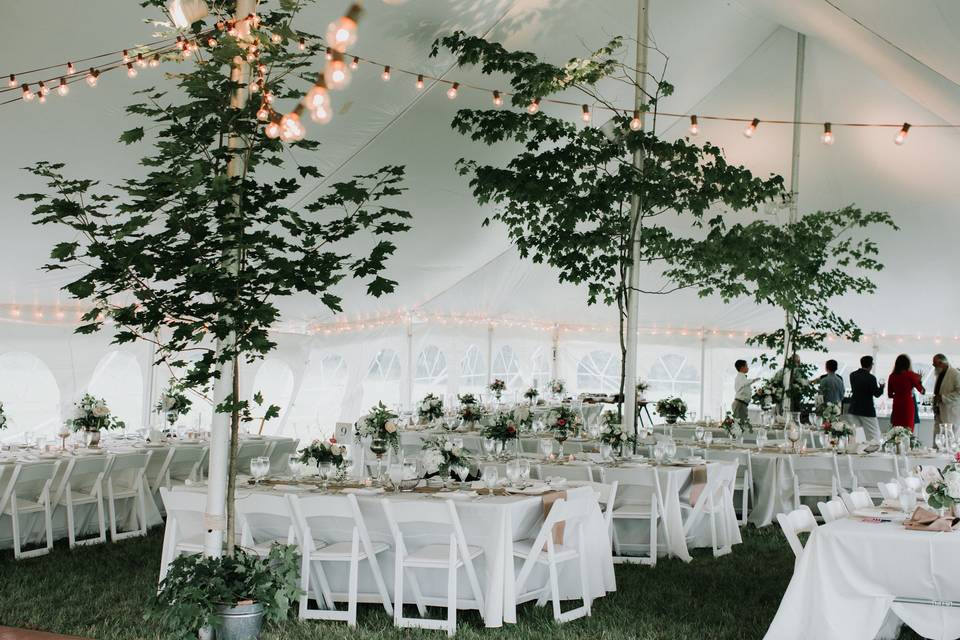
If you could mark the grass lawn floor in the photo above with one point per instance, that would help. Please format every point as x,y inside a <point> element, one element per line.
<point>101,591</point>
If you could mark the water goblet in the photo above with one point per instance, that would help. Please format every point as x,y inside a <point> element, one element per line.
<point>513,472</point>
<point>940,441</point>
<point>670,449</point>
<point>462,472</point>
<point>658,452</point>
<point>489,447</point>
<point>707,437</point>
<point>605,450</point>
<point>259,468</point>
<point>546,447</point>
<point>524,471</point>
<point>325,469</point>
<point>698,433</point>
<point>490,476</point>
<point>293,464</point>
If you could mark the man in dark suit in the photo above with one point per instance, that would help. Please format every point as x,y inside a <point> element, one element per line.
<point>865,388</point>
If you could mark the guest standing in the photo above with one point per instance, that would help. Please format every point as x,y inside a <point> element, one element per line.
<point>831,385</point>
<point>946,392</point>
<point>742,391</point>
<point>864,388</point>
<point>900,386</point>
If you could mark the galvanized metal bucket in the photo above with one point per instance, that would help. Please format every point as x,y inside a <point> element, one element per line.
<point>240,622</point>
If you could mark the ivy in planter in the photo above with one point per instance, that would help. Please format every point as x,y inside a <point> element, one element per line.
<point>196,586</point>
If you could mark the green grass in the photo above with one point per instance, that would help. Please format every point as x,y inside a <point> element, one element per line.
<point>100,592</point>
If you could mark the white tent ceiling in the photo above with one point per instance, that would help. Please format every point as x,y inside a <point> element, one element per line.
<point>867,60</point>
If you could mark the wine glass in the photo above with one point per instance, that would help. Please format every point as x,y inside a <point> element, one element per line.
<point>605,450</point>
<point>707,437</point>
<point>489,447</point>
<point>670,449</point>
<point>63,434</point>
<point>546,447</point>
<point>524,471</point>
<point>490,476</point>
<point>761,438</point>
<point>325,469</point>
<point>824,439</point>
<point>293,464</point>
<point>259,468</point>
<point>698,433</point>
<point>940,441</point>
<point>658,452</point>
<point>462,472</point>
<point>513,472</point>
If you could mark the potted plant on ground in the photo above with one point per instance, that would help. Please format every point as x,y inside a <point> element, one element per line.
<point>93,416</point>
<point>227,597</point>
<point>672,409</point>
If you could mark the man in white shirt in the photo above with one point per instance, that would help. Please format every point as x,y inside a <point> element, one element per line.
<point>946,392</point>
<point>742,390</point>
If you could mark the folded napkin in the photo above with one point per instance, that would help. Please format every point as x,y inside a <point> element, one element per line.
<point>926,520</point>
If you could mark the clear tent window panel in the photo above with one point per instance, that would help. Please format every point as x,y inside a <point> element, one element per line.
<point>31,399</point>
<point>274,381</point>
<point>473,371</point>
<point>674,374</point>
<point>598,372</point>
<point>118,380</point>
<point>385,366</point>
<point>506,367</point>
<point>540,371</point>
<point>431,367</point>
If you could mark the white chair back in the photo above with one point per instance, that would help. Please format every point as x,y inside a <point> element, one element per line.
<point>867,471</point>
<point>833,509</point>
<point>314,514</point>
<point>184,464</point>
<point>30,482</point>
<point>185,512</point>
<point>265,518</point>
<point>856,500</point>
<point>248,450</point>
<point>796,522</point>
<point>570,472</point>
<point>889,490</point>
<point>83,475</point>
<point>640,485</point>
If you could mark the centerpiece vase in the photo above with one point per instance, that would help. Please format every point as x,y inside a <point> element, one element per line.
<point>378,446</point>
<point>92,437</point>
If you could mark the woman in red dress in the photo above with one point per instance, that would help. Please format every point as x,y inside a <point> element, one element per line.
<point>900,386</point>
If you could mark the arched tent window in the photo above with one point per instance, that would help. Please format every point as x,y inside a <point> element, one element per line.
<point>672,375</point>
<point>598,372</point>
<point>118,380</point>
<point>431,367</point>
<point>506,367</point>
<point>541,370</point>
<point>274,381</point>
<point>317,406</point>
<point>332,372</point>
<point>30,396</point>
<point>384,367</point>
<point>472,368</point>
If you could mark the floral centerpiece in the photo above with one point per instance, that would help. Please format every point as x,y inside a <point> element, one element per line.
<point>321,451</point>
<point>829,412</point>
<point>467,398</point>
<point>901,437</point>
<point>531,394</point>
<point>557,386</point>
<point>430,409</point>
<point>944,492</point>
<point>613,432</point>
<point>439,455</point>
<point>504,428</point>
<point>523,417</point>
<point>767,395</point>
<point>3,417</point>
<point>672,409</point>
<point>498,386</point>
<point>561,421</point>
<point>836,430</point>
<point>471,413</point>
<point>642,387</point>
<point>379,424</point>
<point>173,403</point>
<point>93,414</point>
<point>736,427</point>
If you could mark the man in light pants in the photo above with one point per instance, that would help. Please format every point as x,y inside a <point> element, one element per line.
<point>742,391</point>
<point>864,387</point>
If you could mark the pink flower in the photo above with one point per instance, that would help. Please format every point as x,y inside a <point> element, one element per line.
<point>561,422</point>
<point>956,456</point>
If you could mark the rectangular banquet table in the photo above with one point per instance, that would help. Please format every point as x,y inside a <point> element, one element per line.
<point>493,523</point>
<point>851,572</point>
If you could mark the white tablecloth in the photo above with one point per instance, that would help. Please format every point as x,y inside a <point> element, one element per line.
<point>492,523</point>
<point>851,571</point>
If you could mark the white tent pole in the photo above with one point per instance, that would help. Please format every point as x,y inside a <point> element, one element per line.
<point>794,196</point>
<point>408,381</point>
<point>489,353</point>
<point>555,353</point>
<point>703,371</point>
<point>149,385</point>
<point>633,295</point>
<point>215,521</point>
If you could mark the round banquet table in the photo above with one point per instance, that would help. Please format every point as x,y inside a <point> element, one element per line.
<point>490,522</point>
<point>851,574</point>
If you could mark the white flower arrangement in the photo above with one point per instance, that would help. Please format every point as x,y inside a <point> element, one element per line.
<point>380,423</point>
<point>901,435</point>
<point>829,411</point>
<point>3,417</point>
<point>439,454</point>
<point>613,432</point>
<point>93,414</point>
<point>556,386</point>
<point>430,408</point>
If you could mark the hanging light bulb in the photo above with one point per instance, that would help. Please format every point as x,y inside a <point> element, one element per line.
<point>337,74</point>
<point>386,73</point>
<point>694,126</point>
<point>322,115</point>
<point>302,44</point>
<point>63,89</point>
<point>827,137</point>
<point>186,12</point>
<point>27,93</point>
<point>354,63</point>
<point>497,99</point>
<point>263,113</point>
<point>318,96</point>
<point>155,60</point>
<point>419,82</point>
<point>902,134</point>
<point>635,123</point>
<point>534,106</point>
<point>131,71</point>
<point>42,89</point>
<point>211,42</point>
<point>329,54</point>
<point>452,91</point>
<point>276,38</point>
<point>272,130</point>
<point>585,116</point>
<point>751,128</point>
<point>342,33</point>
<point>71,69</point>
<point>268,97</point>
<point>126,56</point>
<point>291,129</point>
<point>92,76</point>
<point>12,82</point>
<point>232,30</point>
<point>140,61</point>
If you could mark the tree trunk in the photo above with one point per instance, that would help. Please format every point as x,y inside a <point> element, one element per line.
<point>232,468</point>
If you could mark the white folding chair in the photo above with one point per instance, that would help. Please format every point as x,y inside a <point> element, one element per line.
<point>82,483</point>
<point>607,498</point>
<point>280,449</point>
<point>813,475</point>
<point>833,509</point>
<point>28,492</point>
<point>185,529</point>
<point>126,478</point>
<point>796,522</point>
<point>856,500</point>
<point>637,497</point>
<point>889,490</point>
<point>450,556</point>
<point>318,511</point>
<point>544,550</point>
<point>265,519</point>
<point>570,472</point>
<point>182,464</point>
<point>715,497</point>
<point>744,481</point>
<point>867,471</point>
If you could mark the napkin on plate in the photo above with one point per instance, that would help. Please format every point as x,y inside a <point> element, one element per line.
<point>364,491</point>
<point>925,520</point>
